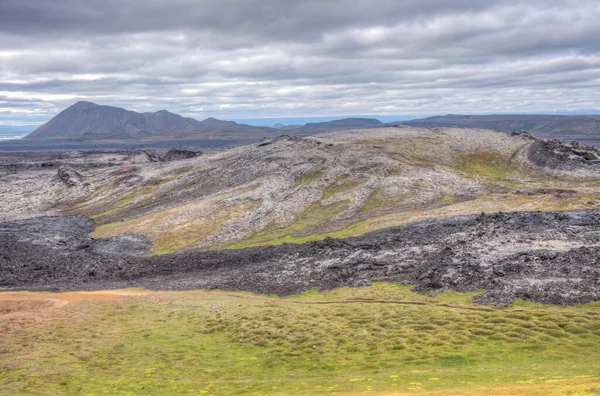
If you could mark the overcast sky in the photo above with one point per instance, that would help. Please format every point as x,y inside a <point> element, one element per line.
<point>274,58</point>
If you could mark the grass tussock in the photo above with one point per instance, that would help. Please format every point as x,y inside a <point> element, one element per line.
<point>317,343</point>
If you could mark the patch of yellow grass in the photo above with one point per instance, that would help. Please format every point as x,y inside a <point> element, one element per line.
<point>110,211</point>
<point>484,163</point>
<point>379,198</point>
<point>310,175</point>
<point>138,193</point>
<point>446,198</point>
<point>314,215</point>
<point>174,228</point>
<point>342,184</point>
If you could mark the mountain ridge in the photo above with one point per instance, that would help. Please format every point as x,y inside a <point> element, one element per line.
<point>542,124</point>
<point>89,121</point>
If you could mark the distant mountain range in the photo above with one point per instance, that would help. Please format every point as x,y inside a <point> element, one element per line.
<point>345,123</point>
<point>86,121</point>
<point>89,121</point>
<point>534,123</point>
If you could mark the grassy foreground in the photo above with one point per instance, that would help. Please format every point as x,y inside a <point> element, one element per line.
<point>382,339</point>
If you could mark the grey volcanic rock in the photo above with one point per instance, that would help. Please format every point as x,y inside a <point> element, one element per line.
<point>524,134</point>
<point>64,233</point>
<point>549,257</point>
<point>567,155</point>
<point>126,244</point>
<point>169,155</point>
<point>69,177</point>
<point>179,154</point>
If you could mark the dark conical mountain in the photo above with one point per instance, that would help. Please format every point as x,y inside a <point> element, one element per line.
<point>89,121</point>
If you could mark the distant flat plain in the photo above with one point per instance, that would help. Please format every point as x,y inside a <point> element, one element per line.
<point>44,145</point>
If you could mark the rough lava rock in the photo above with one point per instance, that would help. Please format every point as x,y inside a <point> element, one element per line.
<point>68,176</point>
<point>566,155</point>
<point>548,257</point>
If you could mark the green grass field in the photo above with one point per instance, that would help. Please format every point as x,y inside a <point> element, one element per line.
<point>382,339</point>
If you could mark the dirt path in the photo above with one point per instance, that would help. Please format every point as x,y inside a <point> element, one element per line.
<point>19,302</point>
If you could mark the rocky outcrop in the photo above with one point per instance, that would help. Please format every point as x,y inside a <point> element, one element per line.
<point>564,155</point>
<point>170,155</point>
<point>68,177</point>
<point>179,154</point>
<point>524,134</point>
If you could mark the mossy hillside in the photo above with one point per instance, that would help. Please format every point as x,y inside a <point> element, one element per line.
<point>484,163</point>
<point>380,339</point>
<point>125,202</point>
<point>341,185</point>
<point>310,175</point>
<point>379,199</point>
<point>179,227</point>
<point>489,204</point>
<point>314,215</point>
<point>173,229</point>
<point>409,179</point>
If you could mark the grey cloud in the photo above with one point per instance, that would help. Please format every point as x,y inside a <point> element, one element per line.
<point>236,58</point>
<point>282,17</point>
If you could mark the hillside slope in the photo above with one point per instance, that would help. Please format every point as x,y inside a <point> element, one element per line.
<point>292,189</point>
